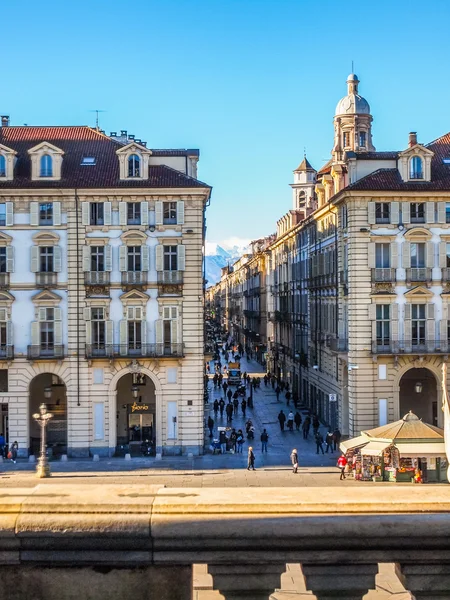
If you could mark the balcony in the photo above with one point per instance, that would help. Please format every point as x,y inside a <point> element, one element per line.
<point>170,283</point>
<point>410,347</point>
<point>6,352</point>
<point>97,278</point>
<point>46,280</point>
<point>446,274</point>
<point>45,352</point>
<point>418,275</point>
<point>382,275</point>
<point>4,281</point>
<point>134,278</point>
<point>110,351</point>
<point>338,344</point>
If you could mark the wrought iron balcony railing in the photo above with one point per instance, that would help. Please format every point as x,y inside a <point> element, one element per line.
<point>97,277</point>
<point>418,274</point>
<point>134,277</point>
<point>44,280</point>
<point>174,277</point>
<point>45,351</point>
<point>134,350</point>
<point>6,351</point>
<point>410,347</point>
<point>383,275</point>
<point>338,344</point>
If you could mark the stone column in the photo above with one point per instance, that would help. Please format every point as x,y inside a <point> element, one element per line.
<point>246,582</point>
<point>332,581</point>
<point>293,585</point>
<point>427,581</point>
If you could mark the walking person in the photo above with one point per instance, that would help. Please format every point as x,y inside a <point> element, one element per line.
<point>210,426</point>
<point>294,460</point>
<point>13,450</point>
<point>229,394</point>
<point>225,387</point>
<point>264,440</point>
<point>290,421</point>
<point>250,459</point>
<point>297,420</point>
<point>216,408</point>
<point>319,442</point>
<point>240,440</point>
<point>223,442</point>
<point>229,410</point>
<point>243,407</point>
<point>2,445</point>
<point>336,438</point>
<point>342,463</point>
<point>233,439</point>
<point>221,407</point>
<point>236,406</point>
<point>281,420</point>
<point>329,441</point>
<point>277,392</point>
<point>306,426</point>
<point>315,424</point>
<point>288,397</point>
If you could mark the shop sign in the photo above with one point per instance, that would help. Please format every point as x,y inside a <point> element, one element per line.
<point>333,397</point>
<point>135,407</point>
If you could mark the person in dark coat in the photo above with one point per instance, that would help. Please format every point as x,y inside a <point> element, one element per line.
<point>294,460</point>
<point>250,459</point>
<point>288,397</point>
<point>223,442</point>
<point>297,420</point>
<point>336,438</point>
<point>329,441</point>
<point>233,439</point>
<point>281,420</point>
<point>221,406</point>
<point>216,407</point>
<point>210,426</point>
<point>236,406</point>
<point>243,407</point>
<point>315,424</point>
<point>277,392</point>
<point>229,394</point>
<point>306,427</point>
<point>229,410</point>
<point>319,441</point>
<point>225,387</point>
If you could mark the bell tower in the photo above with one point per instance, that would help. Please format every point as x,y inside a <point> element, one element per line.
<point>303,196</point>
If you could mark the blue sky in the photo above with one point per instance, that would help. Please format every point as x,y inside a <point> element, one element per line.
<point>249,82</point>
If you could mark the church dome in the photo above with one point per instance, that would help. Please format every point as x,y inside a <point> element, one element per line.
<point>353,103</point>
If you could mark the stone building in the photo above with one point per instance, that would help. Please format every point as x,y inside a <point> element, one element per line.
<point>100,291</point>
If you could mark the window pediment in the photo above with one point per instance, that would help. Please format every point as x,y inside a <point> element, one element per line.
<point>5,239</point>
<point>46,238</point>
<point>134,296</point>
<point>133,148</point>
<point>133,161</point>
<point>46,162</point>
<point>418,234</point>
<point>46,297</point>
<point>7,159</point>
<point>133,237</point>
<point>6,297</point>
<point>419,293</point>
<point>414,164</point>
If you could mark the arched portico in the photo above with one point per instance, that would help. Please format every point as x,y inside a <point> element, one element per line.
<point>418,388</point>
<point>56,404</point>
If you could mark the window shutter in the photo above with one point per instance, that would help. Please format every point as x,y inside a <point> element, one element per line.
<point>158,213</point>
<point>441,212</point>
<point>159,249</point>
<point>431,332</point>
<point>9,333</point>
<point>122,213</point>
<point>341,329</point>
<point>180,212</point>
<point>86,258</point>
<point>442,254</point>
<point>181,257</point>
<point>123,337</point>
<point>107,213</point>
<point>406,212</point>
<point>144,213</point>
<point>371,255</point>
<point>159,331</point>
<point>395,213</point>
<point>35,330</point>
<point>394,322</point>
<point>430,311</point>
<point>430,255</point>
<point>130,313</point>
<point>57,259</point>
<point>429,214</point>
<point>174,331</point>
<point>108,258</point>
<point>85,213</point>
<point>34,214</point>
<point>144,336</point>
<point>394,255</point>
<point>57,313</point>
<point>408,311</point>
<point>56,213</point>
<point>87,313</point>
<point>58,333</point>
<point>406,255</point>
<point>371,213</point>
<point>145,258</point>
<point>123,255</point>
<point>34,259</point>
<point>372,312</point>
<point>109,333</point>
<point>10,259</point>
<point>9,214</point>
<point>88,332</point>
<point>443,334</point>
<point>407,325</point>
<point>42,314</point>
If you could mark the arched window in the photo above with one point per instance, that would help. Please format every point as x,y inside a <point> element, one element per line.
<point>134,166</point>
<point>2,166</point>
<point>46,166</point>
<point>415,168</point>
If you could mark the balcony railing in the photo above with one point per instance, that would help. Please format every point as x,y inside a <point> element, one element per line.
<point>45,351</point>
<point>446,274</point>
<point>97,278</point>
<point>417,274</point>
<point>410,347</point>
<point>6,351</point>
<point>4,280</point>
<point>45,280</point>
<point>338,344</point>
<point>383,275</point>
<point>134,350</point>
<point>134,278</point>
<point>174,277</point>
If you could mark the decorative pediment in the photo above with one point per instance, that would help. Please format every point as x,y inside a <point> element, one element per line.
<point>414,163</point>
<point>133,161</point>
<point>418,234</point>
<point>133,148</point>
<point>416,149</point>
<point>45,148</point>
<point>135,296</point>
<point>7,151</point>
<point>5,239</point>
<point>6,297</point>
<point>46,297</point>
<point>133,237</point>
<point>46,238</point>
<point>418,293</point>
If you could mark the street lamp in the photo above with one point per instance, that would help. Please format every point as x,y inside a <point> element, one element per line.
<point>135,391</point>
<point>42,418</point>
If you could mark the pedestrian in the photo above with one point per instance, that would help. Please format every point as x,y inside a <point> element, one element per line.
<point>277,392</point>
<point>342,463</point>
<point>265,380</point>
<point>2,445</point>
<point>282,386</point>
<point>290,421</point>
<point>221,406</point>
<point>294,460</point>
<point>229,395</point>
<point>243,407</point>
<point>13,450</point>
<point>315,424</point>
<point>236,406</point>
<point>223,442</point>
<point>225,387</point>
<point>306,426</point>
<point>250,429</point>
<point>287,386</point>
<point>229,410</point>
<point>250,459</point>
<point>319,441</point>
<point>272,382</point>
<point>220,378</point>
<point>329,441</point>
<point>295,399</point>
<point>264,440</point>
<point>240,440</point>
<point>288,397</point>
<point>233,439</point>
<point>216,407</point>
<point>281,419</point>
<point>336,438</point>
<point>215,380</point>
<point>210,426</point>
<point>297,420</point>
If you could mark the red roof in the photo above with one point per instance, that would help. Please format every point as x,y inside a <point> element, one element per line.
<point>76,143</point>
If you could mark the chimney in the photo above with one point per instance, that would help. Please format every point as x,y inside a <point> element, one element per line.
<point>5,120</point>
<point>412,138</point>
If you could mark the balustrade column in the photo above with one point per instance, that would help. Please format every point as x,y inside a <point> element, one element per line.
<point>427,581</point>
<point>246,582</point>
<point>332,581</point>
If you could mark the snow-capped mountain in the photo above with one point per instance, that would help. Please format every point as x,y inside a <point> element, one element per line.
<point>219,256</point>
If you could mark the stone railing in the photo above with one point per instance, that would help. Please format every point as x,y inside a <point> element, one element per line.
<point>141,541</point>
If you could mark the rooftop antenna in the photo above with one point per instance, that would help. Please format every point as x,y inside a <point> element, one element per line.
<point>352,68</point>
<point>97,110</point>
<point>304,151</point>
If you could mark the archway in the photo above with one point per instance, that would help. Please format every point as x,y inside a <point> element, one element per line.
<point>57,405</point>
<point>418,393</point>
<point>135,416</point>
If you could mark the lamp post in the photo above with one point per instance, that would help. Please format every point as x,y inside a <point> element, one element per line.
<point>42,418</point>
<point>135,391</point>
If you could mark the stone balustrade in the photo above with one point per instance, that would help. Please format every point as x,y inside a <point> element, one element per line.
<point>138,541</point>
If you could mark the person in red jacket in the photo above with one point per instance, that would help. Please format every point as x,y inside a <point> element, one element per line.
<point>342,463</point>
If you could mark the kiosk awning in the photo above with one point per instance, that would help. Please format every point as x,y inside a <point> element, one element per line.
<point>356,442</point>
<point>374,448</point>
<point>431,449</point>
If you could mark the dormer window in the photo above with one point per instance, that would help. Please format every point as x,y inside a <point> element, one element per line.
<point>362,139</point>
<point>416,168</point>
<point>134,166</point>
<point>346,139</point>
<point>46,166</point>
<point>2,166</point>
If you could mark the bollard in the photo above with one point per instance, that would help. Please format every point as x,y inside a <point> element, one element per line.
<point>190,455</point>
<point>1,459</point>
<point>158,456</point>
<point>32,458</point>
<point>63,457</point>
<point>127,456</point>
<point>96,458</point>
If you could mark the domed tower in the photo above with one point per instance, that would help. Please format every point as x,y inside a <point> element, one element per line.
<point>352,122</point>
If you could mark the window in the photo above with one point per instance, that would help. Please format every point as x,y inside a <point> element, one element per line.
<point>418,324</point>
<point>46,259</point>
<point>3,380</point>
<point>362,139</point>
<point>97,258</point>
<point>134,335</point>
<point>418,255</point>
<point>383,324</point>
<point>447,247</point>
<point>3,259</point>
<point>45,213</point>
<point>382,212</point>
<point>88,160</point>
<point>415,168</point>
<point>382,256</point>
<point>417,212</point>
<point>2,166</point>
<point>134,258</point>
<point>169,213</point>
<point>46,166</point>
<point>134,213</point>
<point>3,215</point>
<point>47,330</point>
<point>447,212</point>
<point>346,139</point>
<point>170,258</point>
<point>98,327</point>
<point>3,334</point>
<point>134,166</point>
<point>97,213</point>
